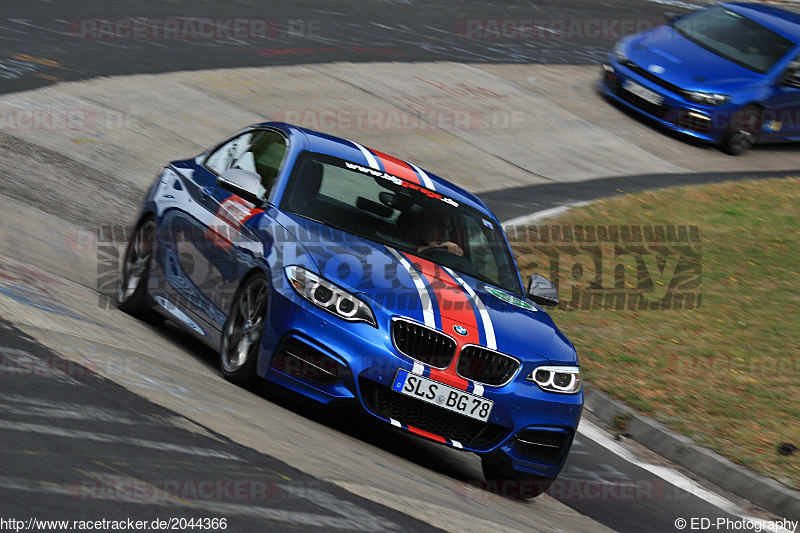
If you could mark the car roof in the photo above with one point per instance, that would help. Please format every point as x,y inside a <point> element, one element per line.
<point>784,23</point>
<point>315,141</point>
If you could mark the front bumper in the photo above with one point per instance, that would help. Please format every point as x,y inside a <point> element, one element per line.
<point>530,429</point>
<point>675,112</point>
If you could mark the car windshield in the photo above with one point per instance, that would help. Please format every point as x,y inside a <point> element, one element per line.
<point>734,37</point>
<point>403,215</point>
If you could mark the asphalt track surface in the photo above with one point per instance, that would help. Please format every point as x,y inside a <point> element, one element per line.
<point>123,468</point>
<point>507,202</point>
<point>49,467</point>
<point>71,37</point>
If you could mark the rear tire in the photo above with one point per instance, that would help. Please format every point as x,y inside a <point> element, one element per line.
<point>512,484</point>
<point>241,336</point>
<point>132,297</point>
<point>744,126</point>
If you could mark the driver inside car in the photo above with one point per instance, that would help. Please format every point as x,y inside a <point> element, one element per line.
<point>435,228</point>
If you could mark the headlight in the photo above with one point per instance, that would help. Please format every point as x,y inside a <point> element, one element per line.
<point>706,98</point>
<point>620,52</point>
<point>562,379</point>
<point>328,296</point>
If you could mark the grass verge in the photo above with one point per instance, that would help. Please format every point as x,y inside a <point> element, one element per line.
<point>726,372</point>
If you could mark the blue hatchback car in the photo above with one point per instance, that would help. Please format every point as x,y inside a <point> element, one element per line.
<point>728,73</point>
<point>344,273</point>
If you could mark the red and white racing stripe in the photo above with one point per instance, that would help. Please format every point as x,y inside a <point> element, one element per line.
<point>488,328</point>
<point>371,161</point>
<point>425,297</point>
<point>396,167</point>
<point>427,434</point>
<point>231,214</point>
<point>424,178</point>
<point>458,306</point>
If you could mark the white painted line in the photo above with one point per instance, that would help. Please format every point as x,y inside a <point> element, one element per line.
<point>76,413</point>
<point>418,368</point>
<point>676,3</point>
<point>104,437</point>
<point>30,406</point>
<point>527,220</point>
<point>670,475</point>
<point>355,515</point>
<point>33,486</point>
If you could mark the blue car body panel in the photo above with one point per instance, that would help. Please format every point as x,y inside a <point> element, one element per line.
<point>668,64</point>
<point>202,257</point>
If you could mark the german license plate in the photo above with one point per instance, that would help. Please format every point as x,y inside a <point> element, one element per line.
<point>643,92</point>
<point>445,396</point>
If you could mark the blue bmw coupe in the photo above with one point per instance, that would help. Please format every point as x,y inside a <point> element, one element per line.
<point>728,73</point>
<point>344,273</point>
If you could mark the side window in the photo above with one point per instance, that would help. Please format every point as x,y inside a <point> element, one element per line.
<point>480,249</point>
<point>268,151</point>
<point>226,155</point>
<point>259,151</point>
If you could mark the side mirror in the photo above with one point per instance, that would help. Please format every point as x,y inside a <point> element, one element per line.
<point>670,17</point>
<point>542,291</point>
<point>792,76</point>
<point>241,183</point>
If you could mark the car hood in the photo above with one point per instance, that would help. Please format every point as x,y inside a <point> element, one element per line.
<point>687,64</point>
<point>401,284</point>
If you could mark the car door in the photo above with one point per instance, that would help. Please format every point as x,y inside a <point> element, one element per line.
<point>211,234</point>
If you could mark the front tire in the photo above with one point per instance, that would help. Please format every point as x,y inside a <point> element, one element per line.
<point>512,484</point>
<point>132,297</point>
<point>241,336</point>
<point>744,126</point>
